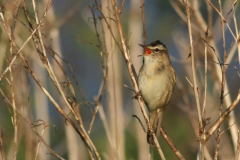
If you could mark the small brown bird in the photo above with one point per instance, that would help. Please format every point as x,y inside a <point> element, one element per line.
<point>156,81</point>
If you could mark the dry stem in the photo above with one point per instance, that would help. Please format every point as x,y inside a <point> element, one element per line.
<point>128,61</point>
<point>222,117</point>
<point>223,82</point>
<point>1,144</point>
<point>144,26</point>
<point>169,141</point>
<point>14,119</point>
<point>30,124</point>
<point>193,66</point>
<point>104,67</point>
<point>237,152</point>
<point>80,131</point>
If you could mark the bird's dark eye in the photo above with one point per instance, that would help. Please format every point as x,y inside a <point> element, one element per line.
<point>156,50</point>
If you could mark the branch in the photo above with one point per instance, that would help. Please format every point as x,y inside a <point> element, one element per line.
<point>30,124</point>
<point>144,26</point>
<point>193,66</point>
<point>222,117</point>
<point>222,83</point>
<point>169,141</point>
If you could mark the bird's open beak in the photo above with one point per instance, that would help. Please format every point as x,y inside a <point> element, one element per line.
<point>147,51</point>
<point>141,45</point>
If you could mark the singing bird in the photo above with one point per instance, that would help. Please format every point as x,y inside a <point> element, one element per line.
<point>156,81</point>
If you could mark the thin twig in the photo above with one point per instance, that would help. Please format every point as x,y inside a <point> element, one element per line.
<point>104,68</point>
<point>201,129</point>
<point>19,51</point>
<point>92,149</point>
<point>223,82</point>
<point>132,73</point>
<point>80,131</point>
<point>238,147</point>
<point>189,82</point>
<point>73,74</point>
<point>193,66</point>
<point>14,120</point>
<point>129,88</point>
<point>30,124</point>
<point>205,78</point>
<point>130,66</point>
<point>46,63</point>
<point>120,9</point>
<point>39,142</point>
<point>187,104</point>
<point>105,124</point>
<point>140,122</point>
<point>125,52</point>
<point>1,144</point>
<point>205,89</point>
<point>222,117</point>
<point>236,28</point>
<point>173,147</point>
<point>227,128</point>
<point>214,51</point>
<point>220,13</point>
<point>230,66</point>
<point>144,26</point>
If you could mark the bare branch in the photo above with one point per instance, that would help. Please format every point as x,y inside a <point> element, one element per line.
<point>222,117</point>
<point>29,123</point>
<point>144,26</point>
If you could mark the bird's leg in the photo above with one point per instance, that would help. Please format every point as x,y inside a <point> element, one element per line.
<point>139,93</point>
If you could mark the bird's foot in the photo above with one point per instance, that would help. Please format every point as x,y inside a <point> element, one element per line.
<point>139,93</point>
<point>150,138</point>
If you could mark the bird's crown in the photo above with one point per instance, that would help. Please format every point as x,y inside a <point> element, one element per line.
<point>156,45</point>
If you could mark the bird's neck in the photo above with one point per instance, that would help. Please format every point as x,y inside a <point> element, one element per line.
<point>151,65</point>
<point>156,61</point>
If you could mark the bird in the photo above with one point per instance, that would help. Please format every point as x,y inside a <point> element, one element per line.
<point>156,81</point>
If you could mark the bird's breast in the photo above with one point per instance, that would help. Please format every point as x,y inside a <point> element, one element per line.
<point>156,88</point>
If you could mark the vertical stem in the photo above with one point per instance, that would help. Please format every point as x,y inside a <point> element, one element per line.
<point>115,98</point>
<point>201,129</point>
<point>132,72</point>
<point>205,92</point>
<point>14,105</point>
<point>222,83</point>
<point>193,66</point>
<point>238,147</point>
<point>236,28</point>
<point>144,27</point>
<point>39,142</point>
<point>1,144</point>
<point>136,27</point>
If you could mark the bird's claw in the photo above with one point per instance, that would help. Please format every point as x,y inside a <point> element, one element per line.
<point>150,138</point>
<point>139,93</point>
<point>150,132</point>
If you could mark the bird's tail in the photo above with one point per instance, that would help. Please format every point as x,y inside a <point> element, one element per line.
<point>155,121</point>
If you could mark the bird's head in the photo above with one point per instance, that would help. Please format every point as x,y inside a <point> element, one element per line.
<point>155,51</point>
